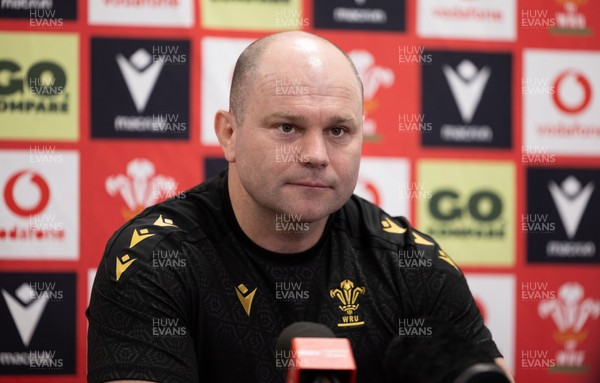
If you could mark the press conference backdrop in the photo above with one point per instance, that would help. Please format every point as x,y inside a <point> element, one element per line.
<point>482,125</point>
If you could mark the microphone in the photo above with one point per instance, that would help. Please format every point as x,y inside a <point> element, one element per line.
<point>439,355</point>
<point>313,354</point>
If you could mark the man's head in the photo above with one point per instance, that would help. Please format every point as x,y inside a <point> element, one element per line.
<point>248,63</point>
<point>293,135</point>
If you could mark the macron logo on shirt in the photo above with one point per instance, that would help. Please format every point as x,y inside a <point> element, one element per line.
<point>245,296</point>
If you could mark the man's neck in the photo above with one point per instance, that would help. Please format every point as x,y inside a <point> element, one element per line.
<point>274,232</point>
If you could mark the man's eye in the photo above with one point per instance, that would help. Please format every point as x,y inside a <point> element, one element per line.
<point>286,128</point>
<point>337,131</point>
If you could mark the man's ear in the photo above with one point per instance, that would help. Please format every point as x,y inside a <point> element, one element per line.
<point>226,129</point>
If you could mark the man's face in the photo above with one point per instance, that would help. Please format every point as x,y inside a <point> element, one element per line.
<point>298,148</point>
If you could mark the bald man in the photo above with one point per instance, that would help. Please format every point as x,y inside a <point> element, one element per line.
<point>198,288</point>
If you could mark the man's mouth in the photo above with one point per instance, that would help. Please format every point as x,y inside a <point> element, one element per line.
<point>310,184</point>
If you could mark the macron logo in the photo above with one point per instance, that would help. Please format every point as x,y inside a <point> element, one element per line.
<point>245,296</point>
<point>26,311</point>
<point>140,75</point>
<point>571,200</point>
<point>467,86</point>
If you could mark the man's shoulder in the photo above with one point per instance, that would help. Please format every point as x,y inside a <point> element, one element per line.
<point>182,213</point>
<point>162,229</point>
<point>372,225</point>
<point>363,219</point>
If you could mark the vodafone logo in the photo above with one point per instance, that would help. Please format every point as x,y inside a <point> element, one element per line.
<point>368,190</point>
<point>20,185</point>
<point>573,92</point>
<point>568,121</point>
<point>39,205</point>
<point>153,13</point>
<point>378,182</point>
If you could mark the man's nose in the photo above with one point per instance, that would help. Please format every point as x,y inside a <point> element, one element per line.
<point>314,149</point>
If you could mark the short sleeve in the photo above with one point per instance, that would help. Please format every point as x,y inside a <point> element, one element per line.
<point>142,308</point>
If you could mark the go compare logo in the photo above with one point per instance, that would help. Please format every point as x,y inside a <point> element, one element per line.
<point>476,215</point>
<point>39,86</point>
<point>34,90</point>
<point>471,209</point>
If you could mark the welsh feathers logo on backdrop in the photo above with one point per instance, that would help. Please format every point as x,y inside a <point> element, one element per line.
<point>571,312</point>
<point>374,78</point>
<point>571,20</point>
<point>140,187</point>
